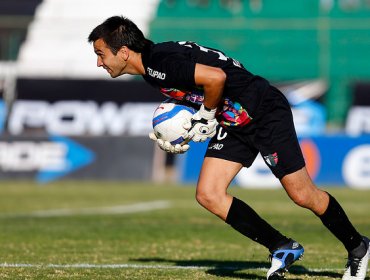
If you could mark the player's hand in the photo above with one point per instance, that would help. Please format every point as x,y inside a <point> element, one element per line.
<point>168,147</point>
<point>203,125</point>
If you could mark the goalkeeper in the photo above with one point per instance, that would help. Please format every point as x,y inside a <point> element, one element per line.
<point>243,115</point>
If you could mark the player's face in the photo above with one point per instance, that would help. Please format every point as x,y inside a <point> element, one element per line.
<point>114,64</point>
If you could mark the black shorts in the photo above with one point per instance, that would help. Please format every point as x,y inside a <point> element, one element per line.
<point>271,133</point>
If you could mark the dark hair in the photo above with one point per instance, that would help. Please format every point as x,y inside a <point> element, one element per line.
<point>118,31</point>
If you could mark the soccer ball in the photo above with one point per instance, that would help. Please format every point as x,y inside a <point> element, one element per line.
<point>169,119</point>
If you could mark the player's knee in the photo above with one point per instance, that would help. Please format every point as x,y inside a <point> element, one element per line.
<point>299,199</point>
<point>206,198</point>
<point>203,198</point>
<point>303,199</point>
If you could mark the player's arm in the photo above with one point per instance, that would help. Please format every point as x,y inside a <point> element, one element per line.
<point>212,79</point>
<point>203,123</point>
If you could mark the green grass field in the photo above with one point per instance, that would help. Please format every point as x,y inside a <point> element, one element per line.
<point>90,230</point>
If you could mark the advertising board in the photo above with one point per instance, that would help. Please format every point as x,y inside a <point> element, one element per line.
<point>45,159</point>
<point>338,160</point>
<point>80,108</point>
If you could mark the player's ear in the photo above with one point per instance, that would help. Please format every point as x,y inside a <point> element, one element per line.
<point>124,52</point>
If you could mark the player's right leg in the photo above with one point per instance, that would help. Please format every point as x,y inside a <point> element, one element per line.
<point>304,193</point>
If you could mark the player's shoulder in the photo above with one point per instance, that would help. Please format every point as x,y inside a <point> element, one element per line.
<point>165,51</point>
<point>168,46</point>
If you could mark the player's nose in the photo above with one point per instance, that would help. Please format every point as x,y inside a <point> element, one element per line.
<point>99,62</point>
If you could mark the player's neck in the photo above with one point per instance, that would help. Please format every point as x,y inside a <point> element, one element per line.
<point>136,64</point>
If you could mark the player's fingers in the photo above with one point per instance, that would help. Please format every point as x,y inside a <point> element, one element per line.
<point>172,150</point>
<point>202,139</point>
<point>152,136</point>
<point>180,149</point>
<point>177,148</point>
<point>184,148</point>
<point>160,143</point>
<point>190,134</point>
<point>196,138</point>
<point>167,146</point>
<point>212,134</point>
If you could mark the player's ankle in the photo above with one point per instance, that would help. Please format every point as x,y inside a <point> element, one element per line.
<point>360,251</point>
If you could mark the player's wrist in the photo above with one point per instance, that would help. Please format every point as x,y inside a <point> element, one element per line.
<point>207,113</point>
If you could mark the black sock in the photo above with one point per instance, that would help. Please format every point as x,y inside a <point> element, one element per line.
<point>245,220</point>
<point>336,220</point>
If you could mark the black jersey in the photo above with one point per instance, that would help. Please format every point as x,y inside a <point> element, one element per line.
<point>171,65</point>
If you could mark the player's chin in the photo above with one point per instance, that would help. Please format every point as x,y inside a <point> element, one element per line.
<point>113,75</point>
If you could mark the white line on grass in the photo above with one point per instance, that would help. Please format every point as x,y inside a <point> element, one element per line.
<point>120,209</point>
<point>141,266</point>
<point>86,265</point>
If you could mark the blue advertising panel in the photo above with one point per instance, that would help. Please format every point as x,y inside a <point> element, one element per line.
<point>338,160</point>
<point>189,164</point>
<point>3,113</point>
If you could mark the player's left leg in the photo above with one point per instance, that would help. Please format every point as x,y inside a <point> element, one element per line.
<point>214,180</point>
<point>215,177</point>
<point>304,193</point>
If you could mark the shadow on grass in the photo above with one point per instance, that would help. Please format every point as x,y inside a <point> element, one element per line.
<point>236,269</point>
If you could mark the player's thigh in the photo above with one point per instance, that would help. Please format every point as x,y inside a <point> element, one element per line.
<point>231,146</point>
<point>216,175</point>
<point>226,154</point>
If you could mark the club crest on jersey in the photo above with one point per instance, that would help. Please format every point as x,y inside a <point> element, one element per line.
<point>271,159</point>
<point>156,74</point>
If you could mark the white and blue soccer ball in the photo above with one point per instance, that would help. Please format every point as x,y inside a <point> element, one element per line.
<point>169,119</point>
